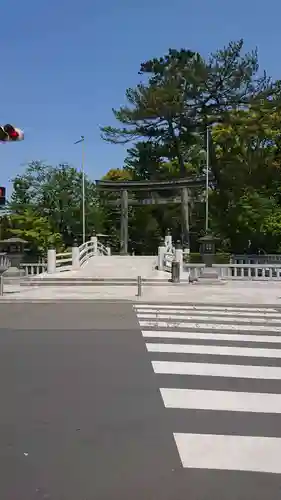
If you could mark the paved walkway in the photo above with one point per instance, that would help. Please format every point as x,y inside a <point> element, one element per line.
<point>115,266</point>
<point>229,293</point>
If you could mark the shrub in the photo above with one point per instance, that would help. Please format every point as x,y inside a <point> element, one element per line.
<point>219,258</point>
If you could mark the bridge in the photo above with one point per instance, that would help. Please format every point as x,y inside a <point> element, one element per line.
<point>92,264</point>
<point>93,260</point>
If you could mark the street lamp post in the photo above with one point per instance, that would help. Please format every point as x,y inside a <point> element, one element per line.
<point>207,179</point>
<point>83,185</point>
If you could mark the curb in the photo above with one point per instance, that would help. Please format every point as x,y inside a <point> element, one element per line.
<point>140,300</point>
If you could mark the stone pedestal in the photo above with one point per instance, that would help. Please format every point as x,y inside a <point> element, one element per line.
<point>14,248</point>
<point>209,274</point>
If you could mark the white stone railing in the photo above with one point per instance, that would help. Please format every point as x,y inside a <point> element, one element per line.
<point>77,257</point>
<point>166,254</point>
<point>32,269</point>
<point>92,248</point>
<point>256,259</point>
<point>258,272</point>
<point>168,259</point>
<point>29,268</point>
<point>4,260</point>
<point>194,270</point>
<point>63,261</point>
<point>242,272</point>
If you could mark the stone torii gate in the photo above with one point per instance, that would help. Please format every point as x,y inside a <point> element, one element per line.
<point>183,186</point>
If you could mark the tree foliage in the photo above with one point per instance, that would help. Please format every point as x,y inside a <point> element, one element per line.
<point>165,122</point>
<point>183,93</point>
<point>55,195</point>
<point>36,230</point>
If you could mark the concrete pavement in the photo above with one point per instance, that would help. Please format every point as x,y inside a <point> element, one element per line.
<point>232,292</point>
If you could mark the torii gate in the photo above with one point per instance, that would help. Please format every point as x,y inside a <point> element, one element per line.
<point>182,185</point>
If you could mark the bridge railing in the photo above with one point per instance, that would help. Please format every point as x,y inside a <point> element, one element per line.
<point>63,261</point>
<point>255,259</point>
<point>166,254</point>
<point>92,248</point>
<point>259,272</point>
<point>77,257</point>
<point>4,260</point>
<point>33,269</point>
<point>168,259</point>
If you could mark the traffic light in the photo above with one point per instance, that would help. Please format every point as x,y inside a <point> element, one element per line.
<point>2,196</point>
<point>10,133</point>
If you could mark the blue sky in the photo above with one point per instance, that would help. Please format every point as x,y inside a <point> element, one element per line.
<point>65,64</point>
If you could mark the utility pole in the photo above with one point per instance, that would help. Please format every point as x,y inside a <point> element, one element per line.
<point>82,140</point>
<point>207,179</point>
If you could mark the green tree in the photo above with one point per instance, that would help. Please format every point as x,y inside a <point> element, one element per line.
<point>165,124</point>
<point>32,227</point>
<point>247,171</point>
<point>184,93</point>
<point>55,193</point>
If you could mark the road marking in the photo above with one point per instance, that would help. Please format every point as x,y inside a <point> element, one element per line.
<point>210,336</point>
<point>208,326</point>
<point>254,352</point>
<point>209,307</point>
<point>240,453</point>
<point>198,316</point>
<point>210,312</point>
<point>221,400</point>
<point>218,323</point>
<point>217,370</point>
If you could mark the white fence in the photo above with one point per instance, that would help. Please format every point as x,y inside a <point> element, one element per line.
<point>242,272</point>
<point>92,248</point>
<point>31,269</point>
<point>241,267</point>
<point>77,257</point>
<point>63,261</point>
<point>257,272</point>
<point>256,259</point>
<point>28,268</point>
<point>194,270</point>
<point>4,260</point>
<point>166,254</point>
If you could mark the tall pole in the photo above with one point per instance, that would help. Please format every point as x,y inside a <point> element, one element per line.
<point>207,181</point>
<point>82,140</point>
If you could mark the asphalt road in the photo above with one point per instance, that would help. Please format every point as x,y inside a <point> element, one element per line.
<point>81,417</point>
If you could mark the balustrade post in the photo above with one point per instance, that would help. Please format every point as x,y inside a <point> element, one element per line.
<point>161,256</point>
<point>94,240</point>
<point>51,261</point>
<point>168,239</point>
<point>75,256</point>
<point>179,255</point>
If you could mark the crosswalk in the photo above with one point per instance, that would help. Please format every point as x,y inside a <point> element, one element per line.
<point>219,371</point>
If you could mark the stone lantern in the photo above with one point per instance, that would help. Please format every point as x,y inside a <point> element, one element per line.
<point>208,249</point>
<point>14,248</point>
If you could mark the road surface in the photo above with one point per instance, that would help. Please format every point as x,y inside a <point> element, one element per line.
<point>82,417</point>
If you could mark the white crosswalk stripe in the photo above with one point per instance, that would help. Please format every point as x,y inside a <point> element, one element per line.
<point>219,371</point>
